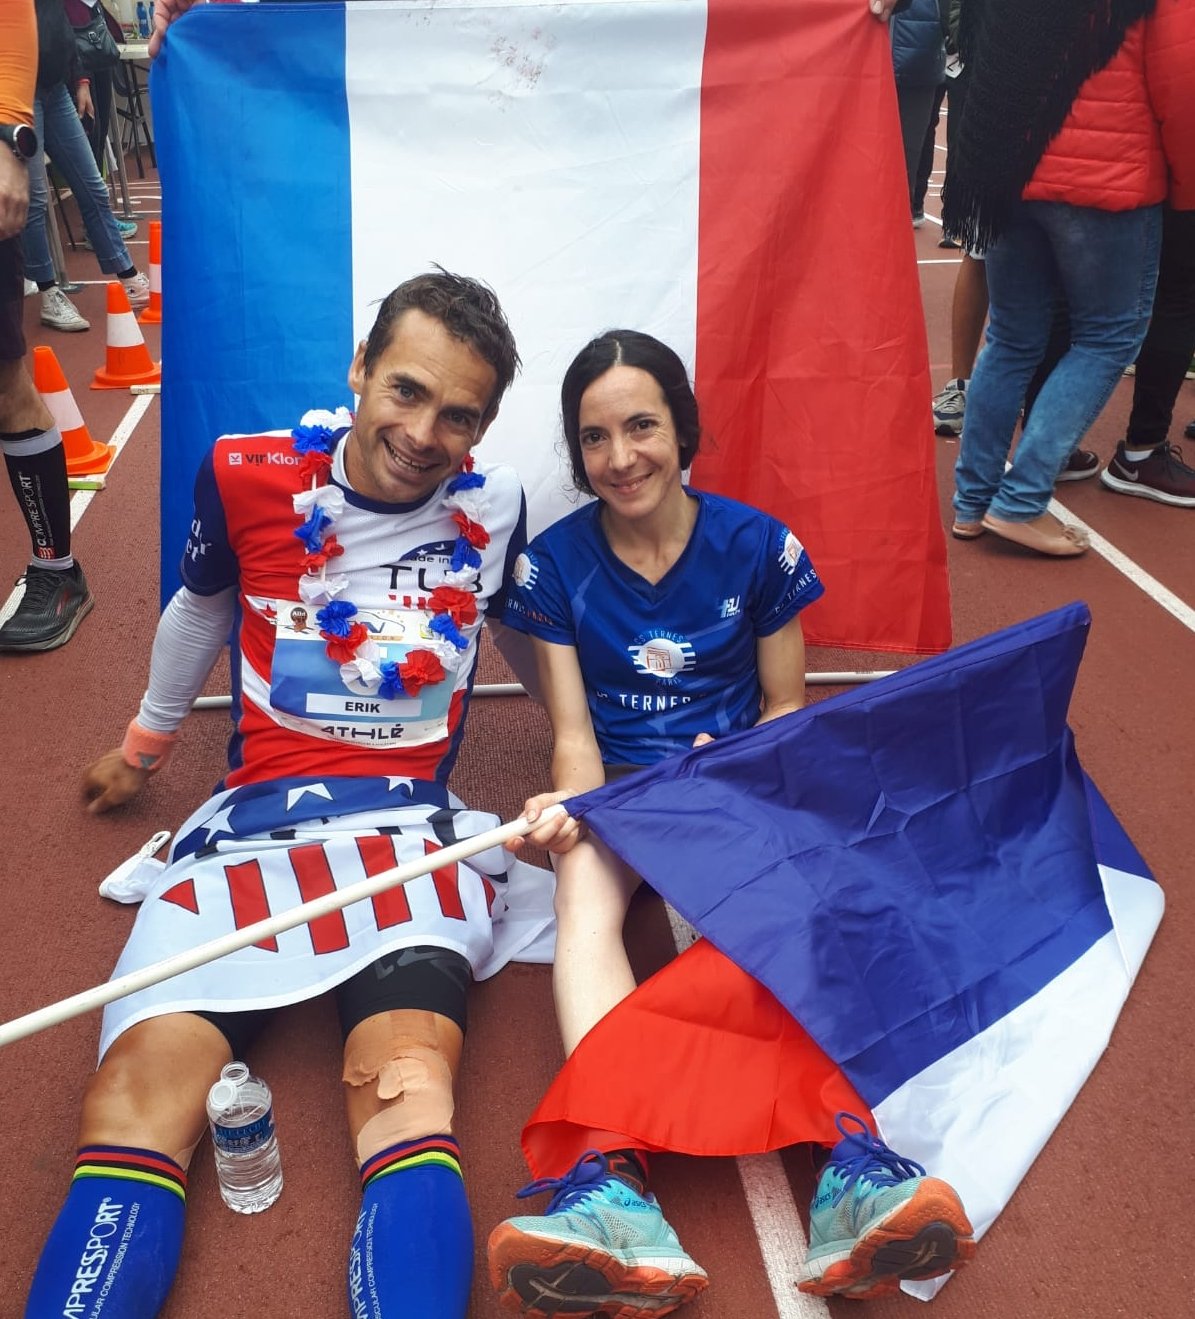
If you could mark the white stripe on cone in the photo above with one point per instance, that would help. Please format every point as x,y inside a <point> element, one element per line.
<point>64,410</point>
<point>123,330</point>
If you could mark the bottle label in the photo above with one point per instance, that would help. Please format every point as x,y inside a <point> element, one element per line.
<point>243,1140</point>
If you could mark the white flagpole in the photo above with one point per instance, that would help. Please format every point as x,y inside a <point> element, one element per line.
<point>77,1004</point>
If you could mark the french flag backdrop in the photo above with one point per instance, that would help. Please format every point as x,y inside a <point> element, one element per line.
<point>916,907</point>
<point>725,175</point>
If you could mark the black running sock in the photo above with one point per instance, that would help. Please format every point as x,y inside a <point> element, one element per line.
<point>126,274</point>
<point>36,463</point>
<point>46,286</point>
<point>629,1166</point>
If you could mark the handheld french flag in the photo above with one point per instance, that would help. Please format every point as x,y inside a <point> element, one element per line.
<point>914,903</point>
<point>726,177</point>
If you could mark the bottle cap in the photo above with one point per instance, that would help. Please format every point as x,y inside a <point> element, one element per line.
<point>222,1095</point>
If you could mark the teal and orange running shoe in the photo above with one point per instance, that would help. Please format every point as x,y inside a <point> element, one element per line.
<point>877,1219</point>
<point>600,1248</point>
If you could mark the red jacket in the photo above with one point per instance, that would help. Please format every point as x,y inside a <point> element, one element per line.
<point>1129,139</point>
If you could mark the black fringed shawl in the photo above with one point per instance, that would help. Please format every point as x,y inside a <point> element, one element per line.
<point>1025,61</point>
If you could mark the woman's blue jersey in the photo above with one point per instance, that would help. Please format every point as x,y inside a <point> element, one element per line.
<point>663,663</point>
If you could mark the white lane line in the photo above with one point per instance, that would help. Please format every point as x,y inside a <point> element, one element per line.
<point>940,261</point>
<point>781,1237</point>
<point>81,499</point>
<point>1158,593</point>
<point>774,1215</point>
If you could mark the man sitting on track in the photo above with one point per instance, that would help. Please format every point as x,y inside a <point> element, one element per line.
<point>396,545</point>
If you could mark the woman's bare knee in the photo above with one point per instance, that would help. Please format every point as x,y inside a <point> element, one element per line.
<point>150,1088</point>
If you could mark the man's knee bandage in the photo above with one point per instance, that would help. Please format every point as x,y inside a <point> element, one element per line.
<point>414,1080</point>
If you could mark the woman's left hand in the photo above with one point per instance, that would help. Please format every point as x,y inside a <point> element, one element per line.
<point>83,101</point>
<point>559,833</point>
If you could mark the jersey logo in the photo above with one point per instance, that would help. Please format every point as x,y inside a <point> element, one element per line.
<point>731,607</point>
<point>525,571</point>
<point>790,553</point>
<point>663,655</point>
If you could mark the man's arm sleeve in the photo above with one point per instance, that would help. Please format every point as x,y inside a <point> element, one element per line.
<point>191,633</point>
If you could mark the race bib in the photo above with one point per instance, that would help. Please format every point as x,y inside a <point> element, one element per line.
<point>306,684</point>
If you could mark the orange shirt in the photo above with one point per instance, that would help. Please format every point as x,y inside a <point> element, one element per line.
<point>18,61</point>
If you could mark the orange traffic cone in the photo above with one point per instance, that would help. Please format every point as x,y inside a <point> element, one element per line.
<point>84,456</point>
<point>152,315</point>
<point>129,362</point>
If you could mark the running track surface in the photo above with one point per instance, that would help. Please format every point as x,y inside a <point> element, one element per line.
<point>1100,1226</point>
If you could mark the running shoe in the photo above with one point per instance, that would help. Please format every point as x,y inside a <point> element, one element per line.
<point>1163,476</point>
<point>54,604</point>
<point>1079,466</point>
<point>949,404</point>
<point>600,1248</point>
<point>877,1219</point>
<point>60,313</point>
<point>918,219</point>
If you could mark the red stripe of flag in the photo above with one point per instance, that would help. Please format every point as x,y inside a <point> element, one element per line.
<point>811,367</point>
<point>247,890</point>
<point>448,888</point>
<point>377,854</point>
<point>310,864</point>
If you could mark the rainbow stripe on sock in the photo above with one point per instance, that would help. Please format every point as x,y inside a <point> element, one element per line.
<point>133,1165</point>
<point>442,1150</point>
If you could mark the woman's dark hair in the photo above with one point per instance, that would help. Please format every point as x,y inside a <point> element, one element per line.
<point>468,310</point>
<point>628,348</point>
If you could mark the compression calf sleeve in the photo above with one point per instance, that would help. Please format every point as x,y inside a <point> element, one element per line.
<point>115,1245</point>
<point>36,463</point>
<point>412,1250</point>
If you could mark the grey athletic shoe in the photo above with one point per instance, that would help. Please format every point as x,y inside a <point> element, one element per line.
<point>60,313</point>
<point>949,404</point>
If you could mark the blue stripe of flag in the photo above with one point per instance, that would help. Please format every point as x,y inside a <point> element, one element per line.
<point>902,865</point>
<point>256,228</point>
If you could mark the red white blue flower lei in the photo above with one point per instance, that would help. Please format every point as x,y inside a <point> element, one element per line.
<point>452,603</point>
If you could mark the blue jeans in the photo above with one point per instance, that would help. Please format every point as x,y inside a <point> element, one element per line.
<point>1103,265</point>
<point>60,131</point>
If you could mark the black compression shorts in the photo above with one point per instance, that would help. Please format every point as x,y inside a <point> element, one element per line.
<point>424,979</point>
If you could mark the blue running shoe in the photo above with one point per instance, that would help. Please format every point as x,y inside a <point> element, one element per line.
<point>877,1219</point>
<point>600,1248</point>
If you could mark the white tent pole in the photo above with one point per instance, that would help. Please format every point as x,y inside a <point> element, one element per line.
<point>77,1004</point>
<point>846,678</point>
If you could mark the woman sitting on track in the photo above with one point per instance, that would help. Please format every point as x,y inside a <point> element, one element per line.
<point>662,617</point>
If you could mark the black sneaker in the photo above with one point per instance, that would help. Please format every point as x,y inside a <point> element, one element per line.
<point>1162,476</point>
<point>54,604</point>
<point>1079,466</point>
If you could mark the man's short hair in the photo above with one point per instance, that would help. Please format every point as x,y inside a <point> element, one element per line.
<point>468,309</point>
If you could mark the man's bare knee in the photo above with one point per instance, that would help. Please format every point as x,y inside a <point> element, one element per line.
<point>150,1088</point>
<point>399,1067</point>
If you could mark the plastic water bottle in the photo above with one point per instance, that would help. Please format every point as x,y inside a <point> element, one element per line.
<point>142,19</point>
<point>241,1112</point>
